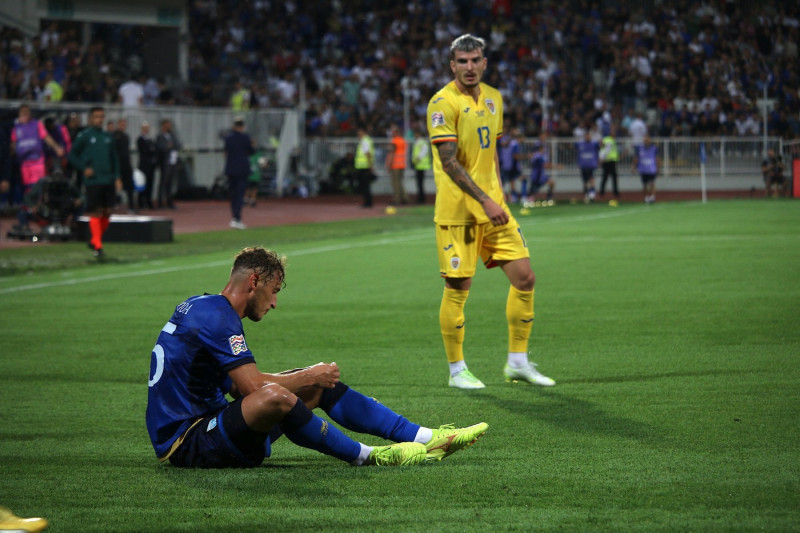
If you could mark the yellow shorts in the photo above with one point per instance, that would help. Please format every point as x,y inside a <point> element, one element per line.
<point>459,246</point>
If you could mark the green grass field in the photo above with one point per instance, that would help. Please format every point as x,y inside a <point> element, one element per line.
<point>672,331</point>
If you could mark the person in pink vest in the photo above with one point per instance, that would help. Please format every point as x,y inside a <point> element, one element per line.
<point>27,142</point>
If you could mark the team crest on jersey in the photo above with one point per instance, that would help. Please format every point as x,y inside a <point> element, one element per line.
<point>490,105</point>
<point>455,262</point>
<point>237,344</point>
<point>437,119</point>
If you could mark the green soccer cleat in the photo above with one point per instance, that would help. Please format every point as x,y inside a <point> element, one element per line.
<point>528,374</point>
<point>399,454</point>
<point>447,440</point>
<point>466,380</point>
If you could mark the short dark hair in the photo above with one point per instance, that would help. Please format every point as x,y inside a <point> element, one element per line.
<point>96,108</point>
<point>263,262</point>
<point>466,43</point>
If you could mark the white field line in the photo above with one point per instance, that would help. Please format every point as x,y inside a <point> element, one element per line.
<point>417,235</point>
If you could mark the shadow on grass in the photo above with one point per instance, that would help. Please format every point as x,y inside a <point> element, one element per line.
<point>663,375</point>
<point>576,415</point>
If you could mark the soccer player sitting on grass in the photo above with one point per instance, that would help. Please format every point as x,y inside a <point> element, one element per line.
<point>201,355</point>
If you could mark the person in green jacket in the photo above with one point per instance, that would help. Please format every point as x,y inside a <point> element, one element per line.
<point>95,157</point>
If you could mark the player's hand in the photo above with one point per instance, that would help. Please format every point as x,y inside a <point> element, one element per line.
<point>118,184</point>
<point>325,375</point>
<point>59,151</point>
<point>88,172</point>
<point>495,212</point>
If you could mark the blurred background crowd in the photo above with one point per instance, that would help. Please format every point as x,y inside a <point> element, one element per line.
<point>688,67</point>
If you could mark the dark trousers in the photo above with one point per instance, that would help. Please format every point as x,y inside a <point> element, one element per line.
<point>609,169</point>
<point>237,185</point>
<point>364,176</point>
<point>420,175</point>
<point>168,175</point>
<point>127,184</point>
<point>146,196</point>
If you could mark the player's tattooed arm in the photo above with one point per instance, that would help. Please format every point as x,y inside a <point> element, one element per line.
<point>454,169</point>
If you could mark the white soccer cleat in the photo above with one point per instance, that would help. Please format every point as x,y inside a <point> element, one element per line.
<point>465,380</point>
<point>528,374</point>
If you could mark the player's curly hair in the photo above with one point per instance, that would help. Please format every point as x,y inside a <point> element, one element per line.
<point>466,43</point>
<point>266,263</point>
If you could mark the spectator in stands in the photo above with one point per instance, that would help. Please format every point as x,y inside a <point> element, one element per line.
<point>131,93</point>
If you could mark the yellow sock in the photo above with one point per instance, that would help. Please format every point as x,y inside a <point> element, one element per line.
<point>519,313</point>
<point>451,322</point>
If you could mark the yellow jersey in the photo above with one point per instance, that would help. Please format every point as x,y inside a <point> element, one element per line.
<point>476,127</point>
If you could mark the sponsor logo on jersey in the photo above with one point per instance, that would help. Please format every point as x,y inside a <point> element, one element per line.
<point>466,110</point>
<point>455,262</point>
<point>237,344</point>
<point>437,119</point>
<point>212,424</point>
<point>448,247</point>
<point>490,105</point>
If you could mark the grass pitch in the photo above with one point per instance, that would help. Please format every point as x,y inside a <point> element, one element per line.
<point>671,331</point>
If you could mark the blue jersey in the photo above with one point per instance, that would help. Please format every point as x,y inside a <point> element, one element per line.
<point>647,162</point>
<point>189,366</point>
<point>508,157</point>
<point>588,154</point>
<point>538,163</point>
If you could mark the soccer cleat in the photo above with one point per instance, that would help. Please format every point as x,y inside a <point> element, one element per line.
<point>447,440</point>
<point>399,454</point>
<point>527,373</point>
<point>237,224</point>
<point>465,380</point>
<point>9,522</point>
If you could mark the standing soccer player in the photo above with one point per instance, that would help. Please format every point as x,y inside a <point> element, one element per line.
<point>647,162</point>
<point>465,120</point>
<point>94,154</point>
<point>588,152</point>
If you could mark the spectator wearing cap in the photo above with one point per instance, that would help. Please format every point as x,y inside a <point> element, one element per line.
<point>238,149</point>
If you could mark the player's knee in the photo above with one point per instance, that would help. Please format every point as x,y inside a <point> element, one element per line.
<point>273,399</point>
<point>526,281</point>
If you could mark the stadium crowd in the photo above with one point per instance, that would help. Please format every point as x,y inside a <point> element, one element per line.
<point>689,67</point>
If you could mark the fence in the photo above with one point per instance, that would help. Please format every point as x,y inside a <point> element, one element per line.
<point>732,163</point>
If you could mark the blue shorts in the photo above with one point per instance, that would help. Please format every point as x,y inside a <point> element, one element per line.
<point>587,174</point>
<point>223,440</point>
<point>507,176</point>
<point>536,183</point>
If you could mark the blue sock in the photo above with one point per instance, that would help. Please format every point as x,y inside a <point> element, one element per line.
<point>305,429</point>
<point>357,412</point>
